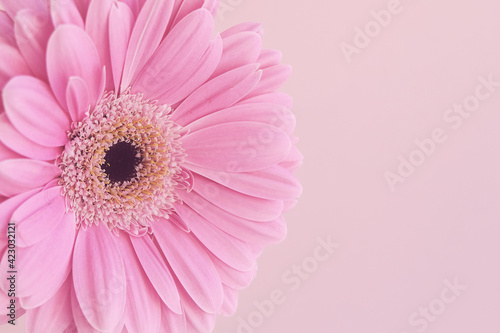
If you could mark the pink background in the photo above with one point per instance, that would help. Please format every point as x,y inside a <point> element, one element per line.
<point>398,250</point>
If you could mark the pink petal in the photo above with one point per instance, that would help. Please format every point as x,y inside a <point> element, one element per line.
<point>222,92</point>
<point>40,215</point>
<point>269,58</point>
<point>43,267</point>
<point>230,250</point>
<point>77,97</point>
<point>81,322</point>
<point>7,208</point>
<point>249,231</point>
<point>24,146</point>
<point>242,27</point>
<point>293,160</point>
<point>179,52</point>
<point>240,49</point>
<point>21,175</point>
<point>192,266</point>
<point>266,113</point>
<point>272,79</point>
<point>135,6</point>
<point>186,8</point>
<point>6,153</point>
<point>244,206</point>
<point>172,322</point>
<point>11,64</point>
<point>13,7</point>
<point>232,277</point>
<point>197,320</point>
<point>65,12</point>
<point>55,315</point>
<point>237,147</point>
<point>102,294</point>
<point>156,269</point>
<point>33,30</point>
<point>143,307</point>
<point>274,183</point>
<point>6,29</point>
<point>97,26</point>
<point>230,301</point>
<point>146,36</point>
<point>212,6</point>
<point>121,21</point>
<point>32,109</point>
<point>71,52</point>
<point>278,98</point>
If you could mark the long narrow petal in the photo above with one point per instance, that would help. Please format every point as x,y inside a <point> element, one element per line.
<point>55,315</point>
<point>172,322</point>
<point>192,266</point>
<point>197,320</point>
<point>232,251</point>
<point>33,110</point>
<point>217,94</point>
<point>77,97</point>
<point>230,301</point>
<point>143,307</point>
<point>246,26</point>
<point>33,30</point>
<point>240,49</point>
<point>39,216</point>
<point>272,79</point>
<point>97,26</point>
<point>155,267</point>
<point>6,153</point>
<point>273,114</point>
<point>179,51</point>
<point>146,36</point>
<point>20,144</point>
<point>274,183</point>
<point>21,175</point>
<point>236,203</point>
<point>237,147</point>
<point>71,52</point>
<point>249,231</point>
<point>102,294</point>
<point>121,21</point>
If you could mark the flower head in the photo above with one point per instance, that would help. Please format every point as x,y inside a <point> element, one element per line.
<point>144,163</point>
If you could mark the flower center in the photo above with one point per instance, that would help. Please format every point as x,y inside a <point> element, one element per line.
<point>123,164</point>
<point>120,162</point>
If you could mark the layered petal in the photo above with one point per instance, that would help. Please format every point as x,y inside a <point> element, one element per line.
<point>71,52</point>
<point>40,215</point>
<point>43,267</point>
<point>230,250</point>
<point>33,29</point>
<point>10,137</point>
<point>12,64</point>
<point>179,52</point>
<point>146,36</point>
<point>157,271</point>
<point>66,12</point>
<point>21,175</point>
<point>142,313</point>
<point>239,49</point>
<point>102,294</point>
<point>192,265</point>
<point>121,20</point>
<point>33,111</point>
<point>217,94</point>
<point>237,147</point>
<point>55,315</point>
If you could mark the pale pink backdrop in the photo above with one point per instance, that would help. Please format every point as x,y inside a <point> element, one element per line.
<point>394,251</point>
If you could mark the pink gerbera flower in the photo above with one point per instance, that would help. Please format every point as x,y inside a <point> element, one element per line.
<point>144,163</point>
